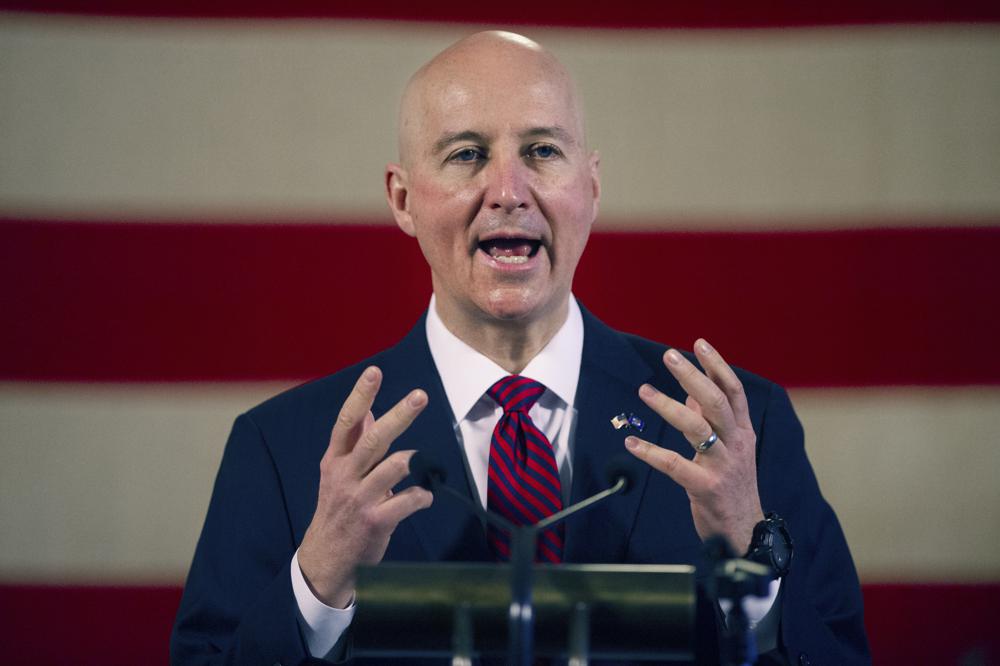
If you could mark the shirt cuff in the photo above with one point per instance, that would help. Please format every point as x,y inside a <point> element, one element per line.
<point>755,607</point>
<point>321,625</point>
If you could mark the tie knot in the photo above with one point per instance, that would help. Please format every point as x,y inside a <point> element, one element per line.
<point>516,393</point>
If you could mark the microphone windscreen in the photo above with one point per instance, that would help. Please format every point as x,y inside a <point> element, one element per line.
<point>425,470</point>
<point>622,466</point>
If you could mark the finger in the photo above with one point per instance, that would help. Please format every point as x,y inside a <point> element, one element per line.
<point>355,411</point>
<point>688,421</point>
<point>403,504</point>
<point>714,402</point>
<point>724,377</point>
<point>375,440</point>
<point>719,445</point>
<point>378,484</point>
<point>693,405</point>
<point>690,476</point>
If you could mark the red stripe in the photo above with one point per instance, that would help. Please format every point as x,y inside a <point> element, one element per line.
<point>515,383</point>
<point>555,504</point>
<point>514,480</point>
<point>552,553</point>
<point>825,308</point>
<point>548,554</point>
<point>542,447</point>
<point>164,302</point>
<point>110,626</point>
<point>188,302</point>
<point>527,394</point>
<point>506,440</point>
<point>495,502</point>
<point>525,511</point>
<point>500,386</point>
<point>552,534</point>
<point>904,623</point>
<point>546,474</point>
<point>718,14</point>
<point>504,443</point>
<point>894,615</point>
<point>499,544</point>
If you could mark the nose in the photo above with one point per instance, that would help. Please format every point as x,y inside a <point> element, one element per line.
<point>507,184</point>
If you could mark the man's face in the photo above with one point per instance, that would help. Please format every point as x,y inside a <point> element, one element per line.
<point>497,186</point>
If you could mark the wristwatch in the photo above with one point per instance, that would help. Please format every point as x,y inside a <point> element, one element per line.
<point>771,545</point>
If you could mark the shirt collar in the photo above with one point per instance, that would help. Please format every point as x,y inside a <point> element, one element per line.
<point>466,374</point>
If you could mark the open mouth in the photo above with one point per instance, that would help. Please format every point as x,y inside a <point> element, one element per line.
<point>510,250</point>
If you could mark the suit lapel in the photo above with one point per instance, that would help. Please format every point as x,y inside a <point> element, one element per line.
<point>610,375</point>
<point>447,530</point>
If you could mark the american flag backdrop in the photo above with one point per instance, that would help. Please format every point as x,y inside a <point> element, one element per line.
<point>192,219</point>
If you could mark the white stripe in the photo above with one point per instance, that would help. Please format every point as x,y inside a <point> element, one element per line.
<point>912,474</point>
<point>294,120</point>
<point>111,483</point>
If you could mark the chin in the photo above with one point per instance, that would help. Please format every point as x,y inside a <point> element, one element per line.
<point>517,305</point>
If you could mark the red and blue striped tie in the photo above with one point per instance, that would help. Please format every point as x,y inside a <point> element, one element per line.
<point>523,477</point>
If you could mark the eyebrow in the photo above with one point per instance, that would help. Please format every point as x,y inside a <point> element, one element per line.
<point>553,131</point>
<point>454,137</point>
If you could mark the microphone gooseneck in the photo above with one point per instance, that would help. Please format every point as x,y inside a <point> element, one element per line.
<point>430,474</point>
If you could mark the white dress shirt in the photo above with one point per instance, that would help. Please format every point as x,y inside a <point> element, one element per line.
<point>467,375</point>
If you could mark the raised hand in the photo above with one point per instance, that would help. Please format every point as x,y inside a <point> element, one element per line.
<point>721,479</point>
<point>356,511</point>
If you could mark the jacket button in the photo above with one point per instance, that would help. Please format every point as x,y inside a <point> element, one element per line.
<point>804,660</point>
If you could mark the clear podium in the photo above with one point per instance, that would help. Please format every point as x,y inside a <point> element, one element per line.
<point>579,612</point>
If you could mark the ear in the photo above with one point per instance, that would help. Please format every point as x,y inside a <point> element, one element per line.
<point>397,196</point>
<point>595,179</point>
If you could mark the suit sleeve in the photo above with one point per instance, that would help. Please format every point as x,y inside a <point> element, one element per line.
<point>822,618</point>
<point>238,605</point>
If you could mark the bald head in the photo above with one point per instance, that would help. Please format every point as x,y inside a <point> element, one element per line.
<point>496,184</point>
<point>486,65</point>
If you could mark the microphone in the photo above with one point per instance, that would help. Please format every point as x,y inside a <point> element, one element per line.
<point>620,472</point>
<point>430,474</point>
<point>622,467</point>
<point>425,471</point>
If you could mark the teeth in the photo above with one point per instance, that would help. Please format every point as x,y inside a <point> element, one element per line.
<point>513,259</point>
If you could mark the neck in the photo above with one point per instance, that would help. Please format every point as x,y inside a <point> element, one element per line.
<point>511,344</point>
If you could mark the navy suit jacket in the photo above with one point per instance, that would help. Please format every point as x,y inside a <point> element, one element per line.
<point>238,606</point>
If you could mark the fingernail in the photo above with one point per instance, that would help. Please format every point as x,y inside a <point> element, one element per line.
<point>673,357</point>
<point>704,347</point>
<point>647,391</point>
<point>369,374</point>
<point>632,443</point>
<point>417,399</point>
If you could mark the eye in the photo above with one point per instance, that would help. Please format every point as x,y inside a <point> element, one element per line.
<point>468,154</point>
<point>543,151</point>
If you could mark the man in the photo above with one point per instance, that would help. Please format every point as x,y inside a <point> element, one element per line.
<point>496,183</point>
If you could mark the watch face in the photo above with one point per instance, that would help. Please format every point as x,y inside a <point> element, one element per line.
<point>780,556</point>
<point>781,550</point>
